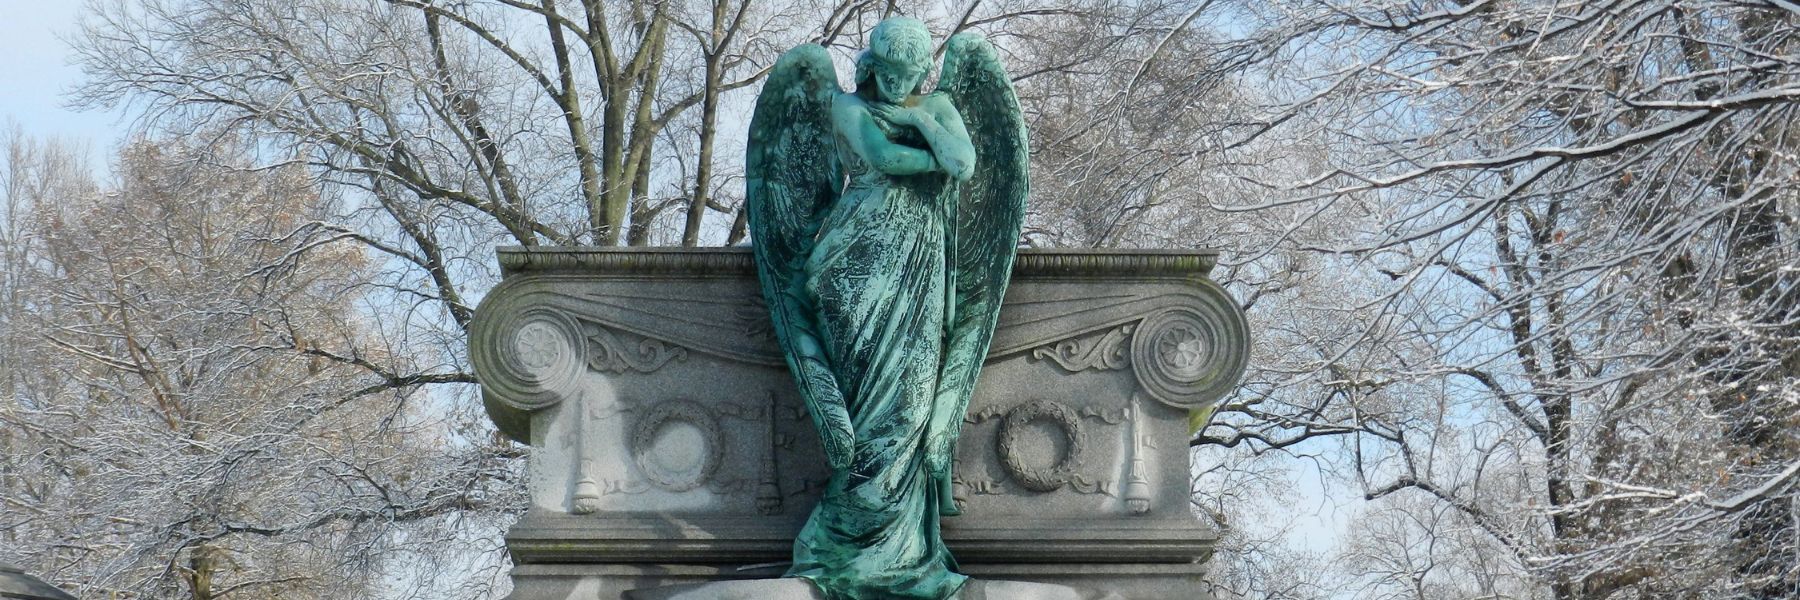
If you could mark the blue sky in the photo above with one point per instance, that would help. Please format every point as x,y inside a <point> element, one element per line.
<point>35,74</point>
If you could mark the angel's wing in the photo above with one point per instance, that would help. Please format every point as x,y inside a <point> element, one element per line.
<point>985,214</point>
<point>792,179</point>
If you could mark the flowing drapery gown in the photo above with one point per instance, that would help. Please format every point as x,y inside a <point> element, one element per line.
<point>877,277</point>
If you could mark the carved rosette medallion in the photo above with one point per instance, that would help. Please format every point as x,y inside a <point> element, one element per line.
<point>1181,350</point>
<point>1179,359</point>
<point>536,361</point>
<point>539,345</point>
<point>1013,432</point>
<point>671,459</point>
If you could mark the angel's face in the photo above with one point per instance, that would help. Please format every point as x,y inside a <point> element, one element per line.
<point>895,81</point>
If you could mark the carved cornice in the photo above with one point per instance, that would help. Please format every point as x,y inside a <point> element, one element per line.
<point>606,261</point>
<point>564,312</point>
<point>1113,263</point>
<point>738,260</point>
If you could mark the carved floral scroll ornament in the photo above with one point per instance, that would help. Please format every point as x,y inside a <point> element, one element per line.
<point>1184,356</point>
<point>612,354</point>
<point>1101,353</point>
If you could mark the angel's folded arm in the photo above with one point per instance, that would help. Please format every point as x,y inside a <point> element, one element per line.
<point>949,139</point>
<point>867,140</point>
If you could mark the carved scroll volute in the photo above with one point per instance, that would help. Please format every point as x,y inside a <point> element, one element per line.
<point>1190,356</point>
<point>529,360</point>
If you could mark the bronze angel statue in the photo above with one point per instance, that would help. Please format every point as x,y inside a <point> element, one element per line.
<point>884,222</point>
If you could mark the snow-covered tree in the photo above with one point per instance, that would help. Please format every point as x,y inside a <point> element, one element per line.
<point>184,415</point>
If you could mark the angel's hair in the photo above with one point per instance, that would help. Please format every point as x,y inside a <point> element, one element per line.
<point>897,40</point>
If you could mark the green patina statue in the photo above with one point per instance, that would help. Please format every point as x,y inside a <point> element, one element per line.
<point>884,223</point>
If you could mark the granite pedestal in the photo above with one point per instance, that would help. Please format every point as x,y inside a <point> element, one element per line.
<point>671,447</point>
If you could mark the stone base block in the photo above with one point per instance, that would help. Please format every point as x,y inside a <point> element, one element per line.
<point>799,589</point>
<point>714,582</point>
<point>1128,581</point>
<point>754,589</point>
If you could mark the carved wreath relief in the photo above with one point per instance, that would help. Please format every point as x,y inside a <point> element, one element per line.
<point>679,446</point>
<point>1067,425</point>
<point>1012,432</point>
<point>683,463</point>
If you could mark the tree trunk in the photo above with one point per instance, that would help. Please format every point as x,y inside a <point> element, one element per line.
<point>644,128</point>
<point>603,216</point>
<point>709,111</point>
<point>202,563</point>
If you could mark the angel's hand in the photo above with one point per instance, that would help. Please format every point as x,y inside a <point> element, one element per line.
<point>940,450</point>
<point>912,116</point>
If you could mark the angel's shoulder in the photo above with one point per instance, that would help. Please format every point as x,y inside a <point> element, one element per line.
<point>844,100</point>
<point>939,103</point>
<point>846,104</point>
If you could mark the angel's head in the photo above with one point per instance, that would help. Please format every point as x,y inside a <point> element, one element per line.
<point>898,57</point>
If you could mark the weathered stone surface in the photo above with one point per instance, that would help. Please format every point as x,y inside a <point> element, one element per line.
<point>799,589</point>
<point>755,589</point>
<point>673,448</point>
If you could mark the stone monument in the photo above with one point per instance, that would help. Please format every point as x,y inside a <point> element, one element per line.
<point>672,447</point>
<point>785,422</point>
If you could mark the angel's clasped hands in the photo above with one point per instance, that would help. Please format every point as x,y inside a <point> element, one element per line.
<point>911,116</point>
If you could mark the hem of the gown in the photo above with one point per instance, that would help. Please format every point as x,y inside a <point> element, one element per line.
<point>823,592</point>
